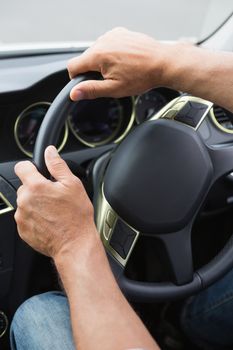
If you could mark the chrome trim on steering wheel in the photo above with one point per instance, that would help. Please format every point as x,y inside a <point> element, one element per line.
<point>172,108</point>
<point>106,220</point>
<point>5,205</point>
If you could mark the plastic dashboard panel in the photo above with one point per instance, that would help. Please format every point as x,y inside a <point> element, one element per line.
<point>21,73</point>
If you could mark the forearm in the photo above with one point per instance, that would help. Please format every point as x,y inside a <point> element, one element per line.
<point>101,316</point>
<point>200,72</point>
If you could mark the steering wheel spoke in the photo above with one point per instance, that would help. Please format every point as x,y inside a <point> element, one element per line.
<point>178,251</point>
<point>117,236</point>
<point>86,155</point>
<point>7,196</point>
<point>222,159</point>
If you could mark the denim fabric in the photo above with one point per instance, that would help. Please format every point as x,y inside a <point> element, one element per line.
<point>207,318</point>
<point>42,323</point>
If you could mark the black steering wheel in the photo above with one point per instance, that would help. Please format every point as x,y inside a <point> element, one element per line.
<point>154,184</point>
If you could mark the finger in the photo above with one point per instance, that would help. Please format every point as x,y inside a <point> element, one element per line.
<point>91,89</point>
<point>57,166</point>
<point>20,190</point>
<point>27,172</point>
<point>82,64</point>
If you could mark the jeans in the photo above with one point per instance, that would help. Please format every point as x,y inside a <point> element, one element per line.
<point>42,323</point>
<point>207,318</point>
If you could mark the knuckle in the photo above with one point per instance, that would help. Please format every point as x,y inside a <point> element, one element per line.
<point>18,217</point>
<point>18,202</point>
<point>22,201</point>
<point>100,38</point>
<point>71,65</point>
<point>21,195</point>
<point>35,187</point>
<point>119,29</point>
<point>97,54</point>
<point>76,181</point>
<point>20,190</point>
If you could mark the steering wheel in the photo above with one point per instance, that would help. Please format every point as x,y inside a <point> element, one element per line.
<point>153,185</point>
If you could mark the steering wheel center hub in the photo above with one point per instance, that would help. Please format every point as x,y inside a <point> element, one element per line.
<point>158,176</point>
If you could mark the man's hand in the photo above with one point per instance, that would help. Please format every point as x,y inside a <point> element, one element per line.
<point>129,62</point>
<point>56,219</point>
<point>132,63</point>
<point>52,216</point>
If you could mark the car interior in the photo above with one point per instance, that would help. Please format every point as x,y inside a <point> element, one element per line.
<point>161,249</point>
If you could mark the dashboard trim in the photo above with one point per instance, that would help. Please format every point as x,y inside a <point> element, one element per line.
<point>131,121</point>
<point>8,208</point>
<point>111,138</point>
<point>29,154</point>
<point>217,124</point>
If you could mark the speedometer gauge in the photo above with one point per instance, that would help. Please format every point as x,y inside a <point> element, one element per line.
<point>148,104</point>
<point>27,127</point>
<point>96,122</point>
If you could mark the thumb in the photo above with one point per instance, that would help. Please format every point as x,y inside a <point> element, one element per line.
<point>56,165</point>
<point>91,89</point>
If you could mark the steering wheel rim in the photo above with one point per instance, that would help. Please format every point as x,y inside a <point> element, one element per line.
<point>142,291</point>
<point>54,121</point>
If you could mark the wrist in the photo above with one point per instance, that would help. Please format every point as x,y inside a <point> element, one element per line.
<point>174,64</point>
<point>80,258</point>
<point>81,246</point>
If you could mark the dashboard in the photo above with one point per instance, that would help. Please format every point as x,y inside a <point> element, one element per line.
<point>92,123</point>
<point>28,89</point>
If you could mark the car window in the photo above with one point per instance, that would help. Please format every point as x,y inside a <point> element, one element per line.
<point>76,20</point>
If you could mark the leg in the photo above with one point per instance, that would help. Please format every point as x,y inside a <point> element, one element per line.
<point>42,323</point>
<point>207,318</point>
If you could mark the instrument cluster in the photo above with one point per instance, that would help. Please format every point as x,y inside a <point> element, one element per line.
<point>93,122</point>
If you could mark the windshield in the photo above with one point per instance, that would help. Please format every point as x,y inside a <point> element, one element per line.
<point>27,21</point>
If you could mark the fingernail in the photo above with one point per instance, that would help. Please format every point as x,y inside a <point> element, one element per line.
<point>77,95</point>
<point>51,152</point>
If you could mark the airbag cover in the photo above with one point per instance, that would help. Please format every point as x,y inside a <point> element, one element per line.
<point>158,176</point>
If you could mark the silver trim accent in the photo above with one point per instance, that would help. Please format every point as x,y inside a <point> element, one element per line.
<point>173,107</point>
<point>217,124</point>
<point>9,206</point>
<point>103,207</point>
<point>7,323</point>
<point>21,115</point>
<point>111,138</point>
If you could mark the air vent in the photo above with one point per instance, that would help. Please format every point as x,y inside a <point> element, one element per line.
<point>223,119</point>
<point>5,206</point>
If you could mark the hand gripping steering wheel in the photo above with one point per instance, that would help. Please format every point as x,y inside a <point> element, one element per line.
<point>154,185</point>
